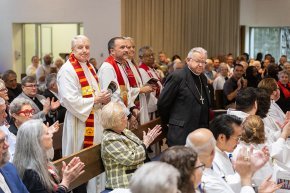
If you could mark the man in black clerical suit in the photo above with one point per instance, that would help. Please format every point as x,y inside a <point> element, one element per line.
<point>184,101</point>
<point>51,91</point>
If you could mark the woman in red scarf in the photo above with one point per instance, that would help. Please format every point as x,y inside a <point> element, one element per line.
<point>284,86</point>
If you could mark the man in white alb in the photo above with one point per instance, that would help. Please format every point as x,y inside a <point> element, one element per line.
<point>80,94</point>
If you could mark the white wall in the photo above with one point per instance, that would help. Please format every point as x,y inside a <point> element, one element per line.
<point>265,13</point>
<point>101,20</point>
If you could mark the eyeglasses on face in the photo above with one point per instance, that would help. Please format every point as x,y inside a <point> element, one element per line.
<point>27,112</point>
<point>237,138</point>
<point>202,166</point>
<point>199,61</point>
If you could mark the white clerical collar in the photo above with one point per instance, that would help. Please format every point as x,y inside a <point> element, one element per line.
<point>193,72</point>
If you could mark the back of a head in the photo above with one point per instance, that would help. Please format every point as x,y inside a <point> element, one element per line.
<point>245,99</point>
<point>200,140</point>
<point>222,124</point>
<point>269,84</point>
<point>184,159</point>
<point>155,177</point>
<point>264,102</point>
<point>253,130</point>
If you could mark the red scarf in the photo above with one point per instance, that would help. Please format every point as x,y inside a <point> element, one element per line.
<point>284,89</point>
<point>123,88</point>
<point>87,92</point>
<point>147,69</point>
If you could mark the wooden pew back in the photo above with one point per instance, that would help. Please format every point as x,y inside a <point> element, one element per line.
<point>92,156</point>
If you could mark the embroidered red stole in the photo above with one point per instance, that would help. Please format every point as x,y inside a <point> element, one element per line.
<point>87,92</point>
<point>284,89</point>
<point>146,68</point>
<point>120,79</point>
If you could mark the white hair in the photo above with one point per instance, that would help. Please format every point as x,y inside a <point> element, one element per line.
<point>111,115</point>
<point>199,50</point>
<point>76,38</point>
<point>155,177</point>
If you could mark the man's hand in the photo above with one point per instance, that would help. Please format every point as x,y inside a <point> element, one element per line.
<point>104,97</point>
<point>46,106</point>
<point>146,89</point>
<point>54,104</point>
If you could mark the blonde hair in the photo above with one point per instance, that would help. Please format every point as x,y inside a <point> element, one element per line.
<point>111,115</point>
<point>254,131</point>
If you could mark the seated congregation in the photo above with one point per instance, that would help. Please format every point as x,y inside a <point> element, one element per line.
<point>218,125</point>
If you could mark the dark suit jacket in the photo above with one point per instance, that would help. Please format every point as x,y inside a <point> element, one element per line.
<point>179,105</point>
<point>12,179</point>
<point>60,110</point>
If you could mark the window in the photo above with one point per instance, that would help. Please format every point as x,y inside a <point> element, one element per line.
<point>270,40</point>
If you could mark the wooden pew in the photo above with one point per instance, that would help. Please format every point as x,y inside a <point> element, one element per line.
<point>92,156</point>
<point>57,142</point>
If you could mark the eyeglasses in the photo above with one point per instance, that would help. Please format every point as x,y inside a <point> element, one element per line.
<point>31,85</point>
<point>237,138</point>
<point>5,138</point>
<point>199,62</point>
<point>202,166</point>
<point>3,90</point>
<point>27,112</point>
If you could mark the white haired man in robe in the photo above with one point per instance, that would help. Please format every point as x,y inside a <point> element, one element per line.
<point>80,94</point>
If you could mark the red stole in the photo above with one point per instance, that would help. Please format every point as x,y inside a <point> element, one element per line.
<point>87,92</point>
<point>120,79</point>
<point>284,89</point>
<point>146,68</point>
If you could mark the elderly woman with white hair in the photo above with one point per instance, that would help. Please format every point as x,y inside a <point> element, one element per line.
<point>122,151</point>
<point>38,174</point>
<point>155,177</point>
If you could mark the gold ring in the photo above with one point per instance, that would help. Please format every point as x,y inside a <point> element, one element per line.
<point>246,158</point>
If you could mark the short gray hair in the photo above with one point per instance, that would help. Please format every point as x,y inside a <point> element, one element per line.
<point>111,115</point>
<point>28,79</point>
<point>283,72</point>
<point>155,177</point>
<point>50,80</point>
<point>199,50</point>
<point>76,38</point>
<point>16,105</point>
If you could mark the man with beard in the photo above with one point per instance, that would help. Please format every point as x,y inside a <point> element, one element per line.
<point>116,69</point>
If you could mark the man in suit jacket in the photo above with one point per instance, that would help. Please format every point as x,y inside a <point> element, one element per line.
<point>51,92</point>
<point>9,179</point>
<point>44,107</point>
<point>184,101</point>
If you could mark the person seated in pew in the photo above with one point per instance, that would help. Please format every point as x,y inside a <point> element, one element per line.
<point>122,151</point>
<point>155,177</point>
<point>185,159</point>
<point>38,174</point>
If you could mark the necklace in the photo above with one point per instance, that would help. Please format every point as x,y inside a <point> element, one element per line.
<point>200,93</point>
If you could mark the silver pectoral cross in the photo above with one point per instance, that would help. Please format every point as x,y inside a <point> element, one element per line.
<point>202,100</point>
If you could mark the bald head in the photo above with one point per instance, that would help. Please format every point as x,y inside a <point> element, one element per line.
<point>202,140</point>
